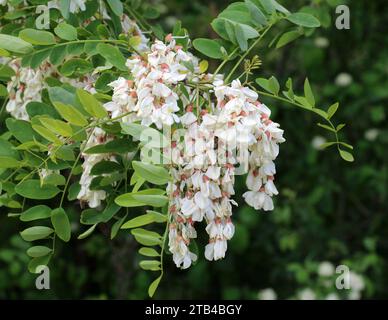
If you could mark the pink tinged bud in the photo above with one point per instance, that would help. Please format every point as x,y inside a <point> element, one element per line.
<point>168,38</point>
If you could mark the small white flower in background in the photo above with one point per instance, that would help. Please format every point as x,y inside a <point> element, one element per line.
<point>267,294</point>
<point>332,296</point>
<point>371,134</point>
<point>307,294</point>
<point>326,269</point>
<point>317,142</point>
<point>343,79</point>
<point>356,281</point>
<point>321,42</point>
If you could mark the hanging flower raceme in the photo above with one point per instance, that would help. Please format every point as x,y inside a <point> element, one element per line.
<point>225,129</point>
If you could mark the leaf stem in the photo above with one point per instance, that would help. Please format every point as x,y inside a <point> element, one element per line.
<point>247,52</point>
<point>263,93</point>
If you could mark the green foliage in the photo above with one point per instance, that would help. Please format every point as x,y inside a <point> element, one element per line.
<point>61,224</point>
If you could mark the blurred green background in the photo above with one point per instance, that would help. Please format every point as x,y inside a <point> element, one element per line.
<point>328,210</point>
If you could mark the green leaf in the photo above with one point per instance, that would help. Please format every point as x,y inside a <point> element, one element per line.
<point>237,12</point>
<point>273,85</point>
<point>47,134</point>
<point>8,162</point>
<point>102,83</point>
<point>91,216</point>
<point>76,67</point>
<point>36,108</point>
<point>321,112</point>
<point>268,5</point>
<point>87,233</point>
<point>38,58</point>
<point>116,6</point>
<point>73,192</point>
<point>36,213</point>
<point>55,179</point>
<point>303,101</point>
<point>64,8</point>
<point>326,127</point>
<point>4,53</point>
<point>327,144</point>
<point>153,286</point>
<point>332,110</point>
<point>38,251</point>
<point>208,47</point>
<point>37,37</point>
<point>149,252</point>
<point>116,227</point>
<point>203,66</point>
<point>145,237</point>
<point>138,221</point>
<point>347,156</point>
<point>36,233</point>
<point>115,146</point>
<point>346,145</point>
<point>70,114</point>
<point>152,265</point>
<point>279,7</point>
<point>66,31</point>
<point>15,44</point>
<point>104,167</point>
<point>91,104</point>
<point>257,15</point>
<point>153,138</point>
<point>57,55</point>
<point>287,37</point>
<point>110,210</point>
<point>154,174</point>
<point>340,126</point>
<point>3,91</point>
<point>304,20</point>
<point>32,189</point>
<point>151,197</point>
<point>112,55</point>
<point>240,37</point>
<point>309,93</point>
<point>262,82</point>
<point>35,263</point>
<point>61,224</point>
<point>57,126</point>
<point>7,149</point>
<point>157,216</point>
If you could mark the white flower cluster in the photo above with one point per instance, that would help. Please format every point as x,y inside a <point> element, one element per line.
<point>25,86</point>
<point>93,197</point>
<point>229,128</point>
<point>151,97</point>
<point>236,128</point>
